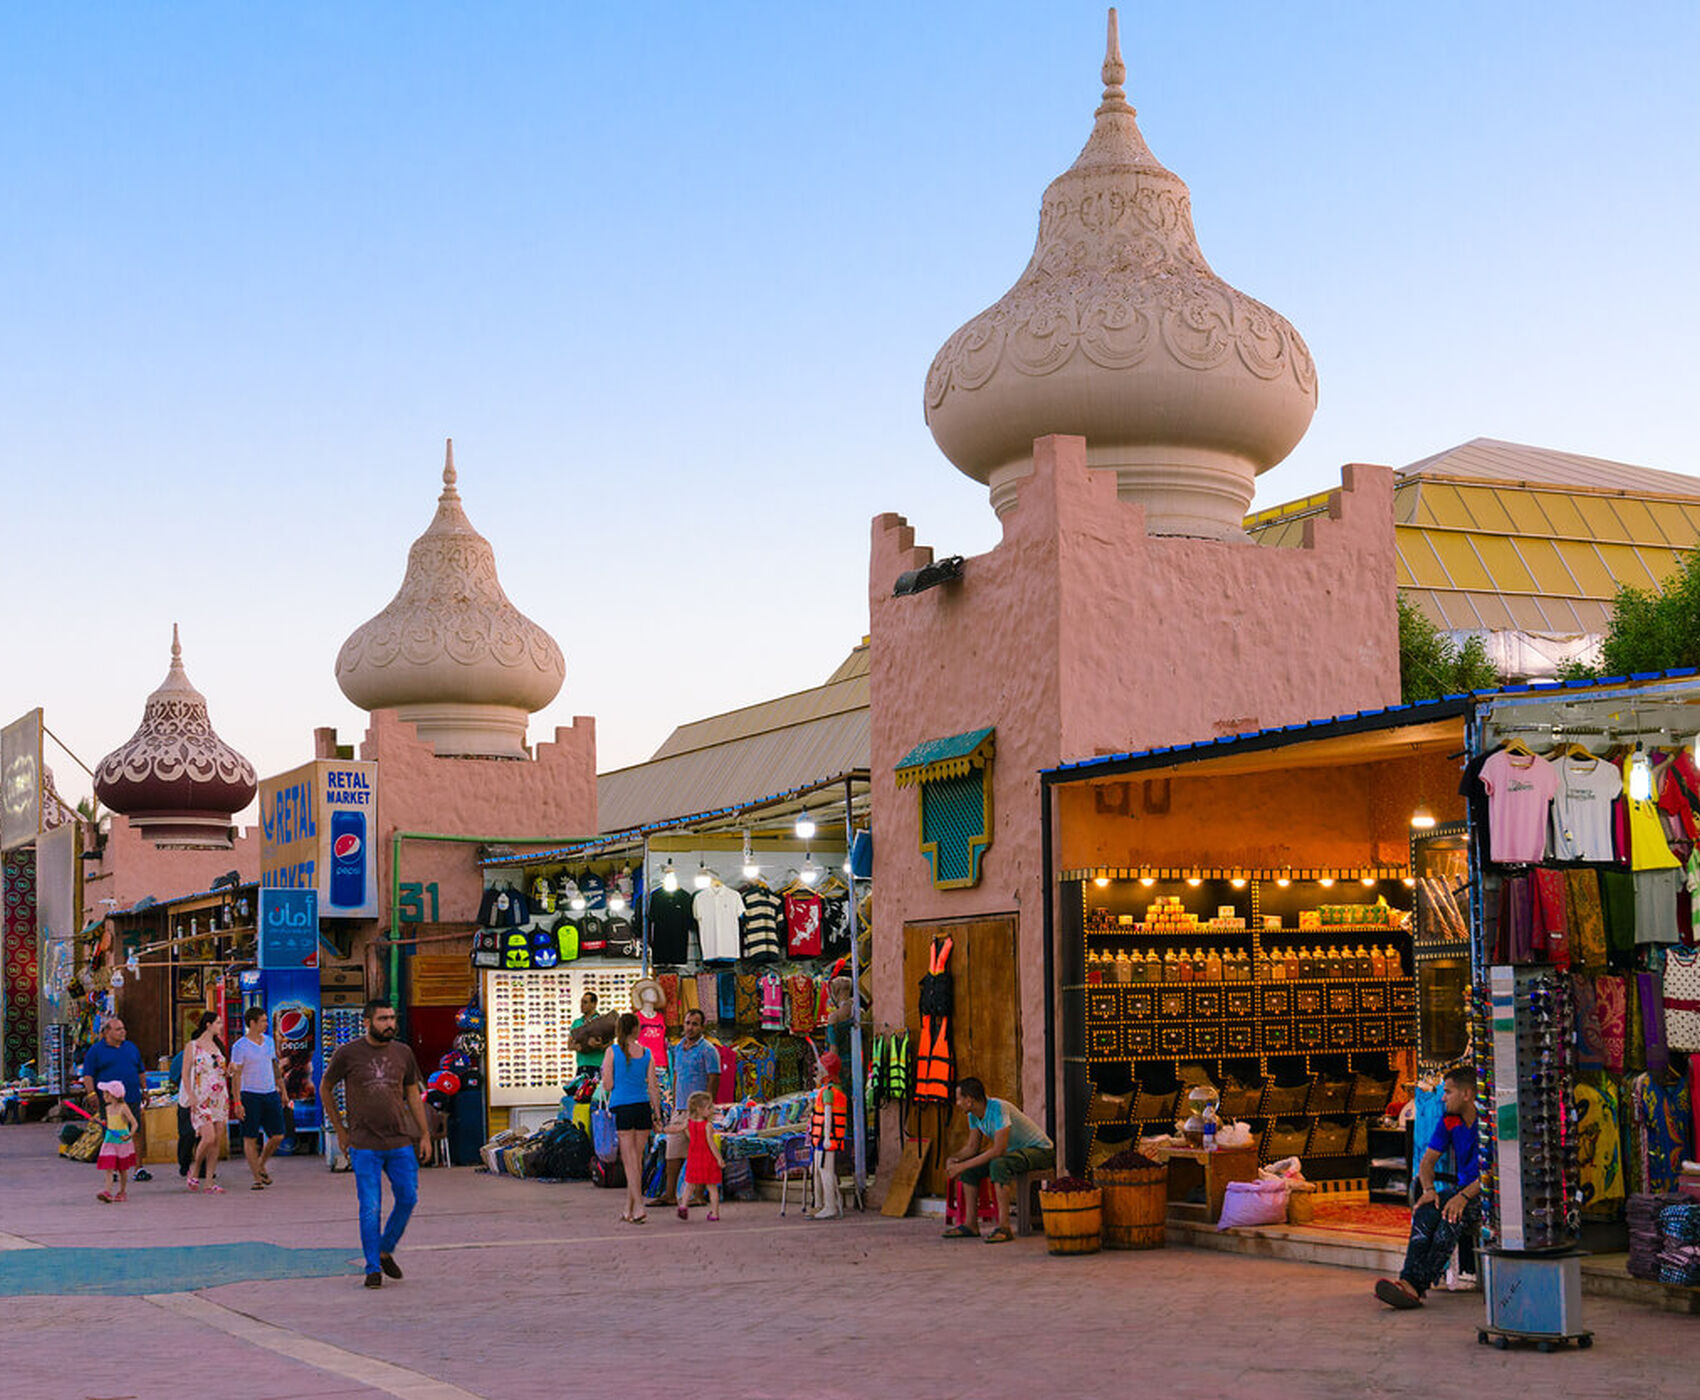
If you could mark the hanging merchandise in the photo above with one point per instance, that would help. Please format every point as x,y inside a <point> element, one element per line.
<point>503,906</point>
<point>1519,786</point>
<point>760,930</point>
<point>804,999</point>
<point>934,1072</point>
<point>1648,849</point>
<point>1682,999</point>
<point>1582,807</point>
<point>772,1000</point>
<point>717,911</point>
<point>803,924</point>
<point>747,1006</point>
<point>671,923</point>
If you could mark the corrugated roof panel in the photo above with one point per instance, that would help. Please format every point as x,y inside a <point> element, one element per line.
<point>1546,566</point>
<point>799,708</point>
<point>1486,508</point>
<point>1634,519</point>
<point>1493,610</point>
<point>1625,565</point>
<point>1285,533</point>
<point>1463,566</point>
<point>1601,519</point>
<point>1561,615</point>
<point>1526,616</point>
<point>1515,461</point>
<point>1524,508</point>
<point>1500,558</point>
<point>1423,600</point>
<point>1443,504</point>
<point>1660,562</point>
<point>1416,551</point>
<point>1457,609</point>
<point>1678,523</point>
<point>1587,569</point>
<point>1407,496</point>
<point>1592,615</point>
<point>1560,509</point>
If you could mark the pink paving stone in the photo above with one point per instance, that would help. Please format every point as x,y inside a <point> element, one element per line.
<point>517,1289</point>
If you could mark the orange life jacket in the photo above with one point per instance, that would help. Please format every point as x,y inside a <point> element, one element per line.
<point>932,1054</point>
<point>826,1130</point>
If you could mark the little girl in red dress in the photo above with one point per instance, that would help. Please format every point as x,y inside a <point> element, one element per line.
<point>702,1155</point>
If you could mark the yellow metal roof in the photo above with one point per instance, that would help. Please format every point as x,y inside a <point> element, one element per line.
<point>1501,536</point>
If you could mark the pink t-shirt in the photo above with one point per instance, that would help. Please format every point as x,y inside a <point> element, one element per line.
<point>1520,790</point>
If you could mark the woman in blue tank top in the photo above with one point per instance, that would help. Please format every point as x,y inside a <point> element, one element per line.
<point>634,1095</point>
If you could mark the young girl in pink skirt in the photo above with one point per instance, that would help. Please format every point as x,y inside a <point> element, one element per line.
<point>118,1144</point>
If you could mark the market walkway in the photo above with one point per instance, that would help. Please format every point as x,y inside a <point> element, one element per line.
<point>519,1289</point>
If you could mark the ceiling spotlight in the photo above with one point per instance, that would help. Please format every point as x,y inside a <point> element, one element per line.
<point>1100,880</point>
<point>810,871</point>
<point>805,827</point>
<point>1147,880</point>
<point>1237,882</point>
<point>1409,882</point>
<point>751,869</point>
<point>1194,881</point>
<point>577,904</point>
<point>1422,819</point>
<point>1282,881</point>
<point>669,878</point>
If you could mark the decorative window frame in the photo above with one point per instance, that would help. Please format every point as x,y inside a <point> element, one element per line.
<point>955,759</point>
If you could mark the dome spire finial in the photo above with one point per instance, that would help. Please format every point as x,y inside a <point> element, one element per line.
<point>1115,71</point>
<point>176,648</point>
<point>449,475</point>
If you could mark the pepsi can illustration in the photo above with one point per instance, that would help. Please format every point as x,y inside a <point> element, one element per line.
<point>292,1034</point>
<point>348,859</point>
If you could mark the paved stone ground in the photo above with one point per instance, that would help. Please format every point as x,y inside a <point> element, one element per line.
<point>519,1289</point>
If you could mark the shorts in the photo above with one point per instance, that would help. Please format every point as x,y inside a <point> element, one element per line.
<point>678,1138</point>
<point>1016,1162</point>
<point>633,1117</point>
<point>262,1115</point>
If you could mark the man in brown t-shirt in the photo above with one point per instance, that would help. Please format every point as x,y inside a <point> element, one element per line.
<point>385,1132</point>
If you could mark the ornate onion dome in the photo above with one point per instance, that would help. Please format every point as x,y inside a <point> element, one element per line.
<point>176,780</point>
<point>1119,331</point>
<point>450,653</point>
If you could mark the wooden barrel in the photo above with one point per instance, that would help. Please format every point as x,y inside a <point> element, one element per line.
<point>1136,1206</point>
<point>1074,1221</point>
<point>1301,1205</point>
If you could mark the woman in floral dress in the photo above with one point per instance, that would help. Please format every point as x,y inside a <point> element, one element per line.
<point>206,1091</point>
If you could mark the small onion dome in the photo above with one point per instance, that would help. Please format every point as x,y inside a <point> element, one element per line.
<point>450,653</point>
<point>1120,332</point>
<point>176,780</point>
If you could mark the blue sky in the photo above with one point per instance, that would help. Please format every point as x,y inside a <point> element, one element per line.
<point>671,276</point>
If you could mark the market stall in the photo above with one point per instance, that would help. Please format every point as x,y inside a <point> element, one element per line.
<point>1260,915</point>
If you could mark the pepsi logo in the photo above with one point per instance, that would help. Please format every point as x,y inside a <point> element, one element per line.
<point>346,846</point>
<point>293,1024</point>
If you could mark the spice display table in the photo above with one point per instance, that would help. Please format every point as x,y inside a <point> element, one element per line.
<point>1188,1166</point>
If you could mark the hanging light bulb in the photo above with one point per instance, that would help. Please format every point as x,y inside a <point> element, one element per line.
<point>810,871</point>
<point>1238,882</point>
<point>805,827</point>
<point>1194,881</point>
<point>1409,882</point>
<point>751,869</point>
<point>847,866</point>
<point>703,878</point>
<point>577,903</point>
<point>1100,880</point>
<point>1640,776</point>
<point>1147,881</point>
<point>669,878</point>
<point>1326,882</point>
<point>1282,881</point>
<point>1422,819</point>
<point>1368,882</point>
<point>616,903</point>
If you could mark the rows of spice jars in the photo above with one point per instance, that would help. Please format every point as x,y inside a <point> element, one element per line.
<point>1172,965</point>
<point>1296,964</point>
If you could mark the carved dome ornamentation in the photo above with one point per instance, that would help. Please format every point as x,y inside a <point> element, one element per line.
<point>451,653</point>
<point>176,780</point>
<point>1119,331</point>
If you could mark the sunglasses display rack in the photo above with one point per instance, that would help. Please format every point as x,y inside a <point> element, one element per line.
<point>1533,1187</point>
<point>527,1016</point>
<point>338,1025</point>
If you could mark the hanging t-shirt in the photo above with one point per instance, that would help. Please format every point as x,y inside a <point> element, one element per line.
<point>1648,849</point>
<point>835,927</point>
<point>764,913</point>
<point>670,925</point>
<point>1520,789</point>
<point>1682,999</point>
<point>1581,808</point>
<point>717,910</point>
<point>652,1035</point>
<point>804,997</point>
<point>803,925</point>
<point>1679,793</point>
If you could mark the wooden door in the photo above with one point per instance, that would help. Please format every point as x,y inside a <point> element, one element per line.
<point>985,1029</point>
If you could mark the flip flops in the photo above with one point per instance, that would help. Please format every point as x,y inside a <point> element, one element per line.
<point>258,1186</point>
<point>999,1237</point>
<point>213,1187</point>
<point>713,1215</point>
<point>1395,1296</point>
<point>106,1198</point>
<point>961,1232</point>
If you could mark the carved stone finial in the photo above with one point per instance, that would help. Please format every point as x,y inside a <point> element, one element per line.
<point>1115,71</point>
<point>449,476</point>
<point>176,649</point>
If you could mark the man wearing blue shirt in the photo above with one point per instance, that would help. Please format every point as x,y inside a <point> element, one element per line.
<point>695,1063</point>
<point>1438,1220</point>
<point>1003,1143</point>
<point>113,1057</point>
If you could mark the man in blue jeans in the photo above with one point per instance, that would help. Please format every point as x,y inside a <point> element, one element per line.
<point>385,1133</point>
<point>1438,1221</point>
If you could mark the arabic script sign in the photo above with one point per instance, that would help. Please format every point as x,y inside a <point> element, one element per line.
<point>289,929</point>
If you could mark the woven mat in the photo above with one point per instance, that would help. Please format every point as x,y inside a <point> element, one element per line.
<point>1363,1218</point>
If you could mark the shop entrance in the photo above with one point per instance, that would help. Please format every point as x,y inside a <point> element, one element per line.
<point>986,1027</point>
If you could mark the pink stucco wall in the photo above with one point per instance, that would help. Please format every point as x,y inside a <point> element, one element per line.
<point>133,868</point>
<point>552,795</point>
<point>1079,634</point>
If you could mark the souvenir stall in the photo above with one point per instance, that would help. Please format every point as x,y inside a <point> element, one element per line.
<point>745,915</point>
<point>1252,917</point>
<point>1585,807</point>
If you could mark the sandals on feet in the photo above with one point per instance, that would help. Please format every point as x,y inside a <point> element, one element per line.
<point>999,1237</point>
<point>212,1186</point>
<point>191,1183</point>
<point>961,1232</point>
<point>714,1215</point>
<point>106,1198</point>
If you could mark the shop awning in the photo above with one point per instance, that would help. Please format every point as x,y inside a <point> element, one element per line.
<point>950,757</point>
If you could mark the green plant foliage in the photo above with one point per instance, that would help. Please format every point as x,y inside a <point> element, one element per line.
<point>1654,629</point>
<point>1432,665</point>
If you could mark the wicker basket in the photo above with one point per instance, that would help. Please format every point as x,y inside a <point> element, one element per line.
<point>1074,1220</point>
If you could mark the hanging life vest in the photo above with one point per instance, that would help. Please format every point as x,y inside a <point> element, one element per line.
<point>938,987</point>
<point>896,1083</point>
<point>826,1130</point>
<point>937,1004</point>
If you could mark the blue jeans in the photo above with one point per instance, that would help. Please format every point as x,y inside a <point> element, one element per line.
<point>1433,1238</point>
<point>401,1165</point>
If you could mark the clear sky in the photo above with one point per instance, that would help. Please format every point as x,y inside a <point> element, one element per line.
<point>671,276</point>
